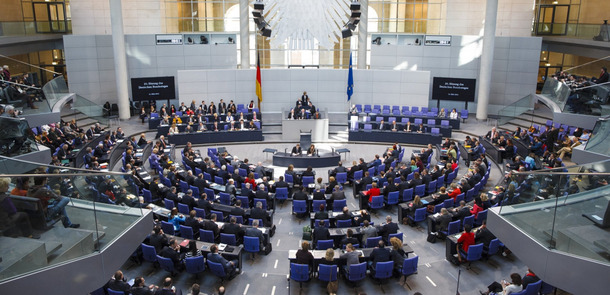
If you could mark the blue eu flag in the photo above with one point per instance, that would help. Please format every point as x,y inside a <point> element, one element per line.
<point>350,79</point>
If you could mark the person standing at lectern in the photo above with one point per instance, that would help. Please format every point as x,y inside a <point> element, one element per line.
<point>312,150</point>
<point>296,150</point>
<point>304,98</point>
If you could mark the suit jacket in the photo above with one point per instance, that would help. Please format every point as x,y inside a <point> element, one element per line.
<point>255,232</point>
<point>237,211</point>
<point>211,225</point>
<point>321,233</point>
<point>296,150</point>
<point>194,223</point>
<point>368,232</point>
<point>172,254</point>
<point>319,195</point>
<point>380,255</point>
<point>217,258</point>
<point>230,228</point>
<point>389,228</point>
<point>321,215</point>
<point>338,195</point>
<point>259,213</point>
<point>117,285</point>
<point>157,241</point>
<point>300,195</point>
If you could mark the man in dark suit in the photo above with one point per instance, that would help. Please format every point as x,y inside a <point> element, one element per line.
<point>247,192</point>
<point>259,213</point>
<point>246,166</point>
<point>321,214</point>
<point>367,179</point>
<point>167,288</point>
<point>319,195</point>
<point>379,254</point>
<point>210,224</point>
<point>193,222</point>
<point>262,194</point>
<point>255,232</point>
<point>300,195</point>
<point>362,164</point>
<point>337,194</point>
<point>189,200</point>
<point>339,169</point>
<point>173,252</point>
<point>321,233</point>
<point>345,215</point>
<point>155,190</point>
<point>281,183</point>
<point>442,223</point>
<point>204,203</point>
<point>237,210</point>
<point>158,239</point>
<point>415,181</point>
<point>232,228</point>
<point>349,238</point>
<point>117,283</point>
<point>296,150</point>
<point>483,235</point>
<point>201,183</point>
<point>229,266</point>
<point>390,187</point>
<point>425,177</point>
<point>388,228</point>
<point>460,212</point>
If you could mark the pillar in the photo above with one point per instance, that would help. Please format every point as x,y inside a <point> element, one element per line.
<point>489,35</point>
<point>244,34</point>
<point>362,34</point>
<point>120,59</point>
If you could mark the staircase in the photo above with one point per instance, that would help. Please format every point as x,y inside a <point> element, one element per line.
<point>539,115</point>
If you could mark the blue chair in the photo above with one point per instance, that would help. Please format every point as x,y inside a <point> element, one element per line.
<point>219,180</point>
<point>250,220</point>
<point>225,199</point>
<point>167,264</point>
<point>419,216</point>
<point>184,186</point>
<point>197,171</point>
<point>195,265</point>
<point>199,212</point>
<point>464,115</point>
<point>324,244</point>
<point>396,235</point>
<point>437,208</point>
<point>147,196</point>
<point>368,187</point>
<point>299,207</point>
<point>242,172</point>
<point>263,201</point>
<point>393,198</point>
<point>459,198</point>
<point>228,239</point>
<point>431,187</point>
<point>219,215</point>
<point>358,175</point>
<point>356,272</point>
<point>344,223</point>
<point>407,195</point>
<point>186,232</point>
<point>372,171</point>
<point>382,271</point>
<point>546,288</point>
<point>475,253</point>
<point>409,267</point>
<point>326,223</point>
<point>113,292</point>
<point>448,203</point>
<point>341,177</point>
<point>531,289</point>
<point>184,209</point>
<point>252,245</point>
<point>218,270</point>
<point>307,180</point>
<point>289,179</point>
<point>468,220</point>
<point>372,242</point>
<point>480,217</point>
<point>327,273</point>
<point>376,203</point>
<point>206,236</point>
<point>245,202</point>
<point>452,228</point>
<point>316,205</point>
<point>281,193</point>
<point>238,219</point>
<point>338,205</point>
<point>169,204</point>
<point>299,273</point>
<point>420,190</point>
<point>492,249</point>
<point>195,190</point>
<point>149,253</point>
<point>168,228</point>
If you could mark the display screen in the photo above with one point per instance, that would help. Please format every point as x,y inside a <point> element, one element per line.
<point>453,89</point>
<point>153,88</point>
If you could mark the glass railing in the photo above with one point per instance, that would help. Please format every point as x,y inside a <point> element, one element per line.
<point>562,208</point>
<point>56,200</point>
<point>27,28</point>
<point>515,109</point>
<point>600,137</point>
<point>16,137</point>
<point>595,32</point>
<point>587,99</point>
<point>57,89</point>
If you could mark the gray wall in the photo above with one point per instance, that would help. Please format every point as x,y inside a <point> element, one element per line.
<point>515,65</point>
<point>326,88</point>
<point>90,62</point>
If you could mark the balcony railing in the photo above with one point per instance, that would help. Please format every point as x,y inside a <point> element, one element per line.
<point>578,31</point>
<point>29,28</point>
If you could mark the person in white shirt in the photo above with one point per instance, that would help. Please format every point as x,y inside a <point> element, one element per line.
<point>230,117</point>
<point>453,114</point>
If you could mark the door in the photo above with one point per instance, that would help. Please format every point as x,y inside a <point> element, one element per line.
<point>50,17</point>
<point>552,19</point>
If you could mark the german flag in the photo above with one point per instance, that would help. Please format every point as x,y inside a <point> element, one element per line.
<point>259,90</point>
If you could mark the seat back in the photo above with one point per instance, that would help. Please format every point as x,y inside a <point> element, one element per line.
<point>494,246</point>
<point>288,178</point>
<point>459,198</point>
<point>437,208</point>
<point>357,272</point>
<point>409,266</point>
<point>407,195</point>
<point>113,292</point>
<point>281,193</point>
<point>228,239</point>
<point>420,190</point>
<point>468,220</point>
<point>238,219</point>
<point>383,270</point>
<point>435,130</point>
<point>199,212</point>
<point>225,199</point>
<point>377,202</point>
<point>219,215</point>
<point>169,204</point>
<point>396,235</point>
<point>245,202</point>
<point>344,223</point>
<point>194,265</point>
<point>326,223</point>
<point>358,175</point>
<point>324,244</point>
<point>183,208</point>
<point>166,263</point>
<point>149,253</point>
<point>341,177</point>
<point>263,201</point>
<point>206,236</point>
<point>316,205</point>
<point>474,252</point>
<point>480,217</point>
<point>219,180</point>
<point>372,242</point>
<point>453,228</point>
<point>393,198</point>
<point>448,203</point>
<point>307,180</point>
<point>338,205</point>
<point>299,272</point>
<point>217,269</point>
<point>464,114</point>
<point>431,187</point>
<point>186,232</point>
<point>250,220</point>
<point>327,273</point>
<point>167,228</point>
<point>184,186</point>
<point>420,214</point>
<point>299,206</point>
<point>251,244</point>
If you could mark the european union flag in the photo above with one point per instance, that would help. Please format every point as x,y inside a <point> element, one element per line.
<point>350,79</point>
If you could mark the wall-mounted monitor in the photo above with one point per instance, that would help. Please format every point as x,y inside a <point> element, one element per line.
<point>455,89</point>
<point>435,40</point>
<point>169,39</point>
<point>153,88</point>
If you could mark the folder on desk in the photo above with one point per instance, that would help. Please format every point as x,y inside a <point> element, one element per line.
<point>221,246</point>
<point>185,243</point>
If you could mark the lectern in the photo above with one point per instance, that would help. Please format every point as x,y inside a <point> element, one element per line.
<point>305,139</point>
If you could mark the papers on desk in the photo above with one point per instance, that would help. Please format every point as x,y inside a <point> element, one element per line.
<point>198,160</point>
<point>597,217</point>
<point>184,243</point>
<point>167,150</point>
<point>221,246</point>
<point>424,202</point>
<point>137,155</point>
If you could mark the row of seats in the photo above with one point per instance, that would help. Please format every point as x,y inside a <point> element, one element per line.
<point>405,110</point>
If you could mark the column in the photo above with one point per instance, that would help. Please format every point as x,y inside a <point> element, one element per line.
<point>120,59</point>
<point>489,35</point>
<point>362,34</point>
<point>244,34</point>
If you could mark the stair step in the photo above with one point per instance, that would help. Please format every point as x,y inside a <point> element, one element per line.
<point>74,242</point>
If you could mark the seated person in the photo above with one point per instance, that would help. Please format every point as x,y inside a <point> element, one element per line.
<point>408,127</point>
<point>397,254</point>
<point>53,204</point>
<point>349,238</point>
<point>321,214</point>
<point>379,254</point>
<point>255,232</point>
<point>173,252</point>
<point>9,215</point>
<point>464,242</point>
<point>229,266</point>
<point>117,283</point>
<point>311,150</point>
<point>304,256</point>
<point>296,150</point>
<point>321,232</point>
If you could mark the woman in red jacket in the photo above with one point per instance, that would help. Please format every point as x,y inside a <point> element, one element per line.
<point>373,192</point>
<point>455,191</point>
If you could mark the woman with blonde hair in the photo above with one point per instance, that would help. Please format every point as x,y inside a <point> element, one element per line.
<point>173,129</point>
<point>397,254</point>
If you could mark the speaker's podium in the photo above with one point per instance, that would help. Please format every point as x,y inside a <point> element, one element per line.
<point>318,129</point>
<point>305,139</point>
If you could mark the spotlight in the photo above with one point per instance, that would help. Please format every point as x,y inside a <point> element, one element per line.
<point>351,26</point>
<point>356,13</point>
<point>345,33</point>
<point>231,41</point>
<point>266,32</point>
<point>257,14</point>
<point>189,40</point>
<point>261,25</point>
<point>377,41</point>
<point>204,40</point>
<point>355,21</point>
<point>259,5</point>
<point>355,5</point>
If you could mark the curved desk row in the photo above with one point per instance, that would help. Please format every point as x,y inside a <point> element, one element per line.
<point>304,161</point>
<point>398,136</point>
<point>78,159</point>
<point>454,123</point>
<point>222,126</point>
<point>215,137</point>
<point>154,122</point>
<point>445,131</point>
